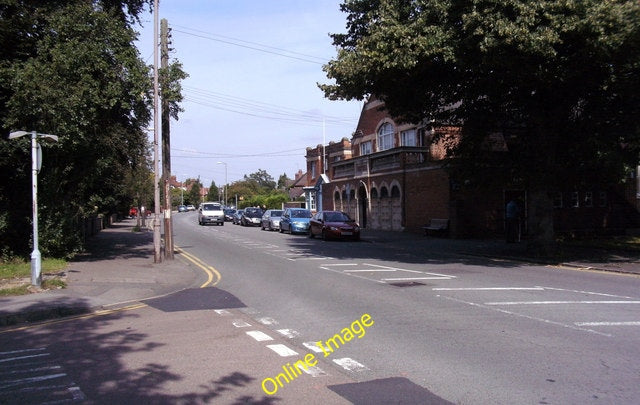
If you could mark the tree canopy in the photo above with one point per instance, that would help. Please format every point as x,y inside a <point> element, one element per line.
<point>70,68</point>
<point>561,77</point>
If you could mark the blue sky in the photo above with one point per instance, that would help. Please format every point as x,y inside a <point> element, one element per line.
<point>251,100</point>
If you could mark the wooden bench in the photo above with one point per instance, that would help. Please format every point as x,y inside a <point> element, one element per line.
<point>437,225</point>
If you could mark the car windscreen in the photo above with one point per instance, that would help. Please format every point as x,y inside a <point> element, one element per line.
<point>276,213</point>
<point>301,214</point>
<point>336,217</point>
<point>211,207</point>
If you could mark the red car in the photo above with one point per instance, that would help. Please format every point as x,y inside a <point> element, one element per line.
<point>333,225</point>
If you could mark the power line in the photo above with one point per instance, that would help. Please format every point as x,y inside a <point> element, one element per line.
<point>250,45</point>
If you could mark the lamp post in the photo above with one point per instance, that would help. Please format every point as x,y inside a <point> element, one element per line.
<point>36,163</point>
<point>225,181</point>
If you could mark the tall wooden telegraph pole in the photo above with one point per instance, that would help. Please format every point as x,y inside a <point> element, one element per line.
<point>166,144</point>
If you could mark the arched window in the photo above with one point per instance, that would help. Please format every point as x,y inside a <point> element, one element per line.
<point>352,194</point>
<point>384,192</point>
<point>344,195</point>
<point>385,136</point>
<point>374,193</point>
<point>336,196</point>
<point>395,191</point>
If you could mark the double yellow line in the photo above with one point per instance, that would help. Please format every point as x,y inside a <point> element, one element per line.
<point>213,276</point>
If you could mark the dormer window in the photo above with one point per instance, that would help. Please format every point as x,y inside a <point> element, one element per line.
<point>385,136</point>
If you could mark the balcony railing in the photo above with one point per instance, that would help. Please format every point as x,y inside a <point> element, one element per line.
<point>401,158</point>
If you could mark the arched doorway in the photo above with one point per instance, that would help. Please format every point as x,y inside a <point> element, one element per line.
<point>363,204</point>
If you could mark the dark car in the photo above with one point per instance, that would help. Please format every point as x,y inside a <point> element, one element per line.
<point>295,220</point>
<point>237,217</point>
<point>333,225</point>
<point>182,208</point>
<point>271,220</point>
<point>228,214</point>
<point>251,217</point>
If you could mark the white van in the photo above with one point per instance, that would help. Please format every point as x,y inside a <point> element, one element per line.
<point>210,212</point>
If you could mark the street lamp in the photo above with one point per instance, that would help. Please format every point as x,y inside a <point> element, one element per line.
<point>225,181</point>
<point>36,163</point>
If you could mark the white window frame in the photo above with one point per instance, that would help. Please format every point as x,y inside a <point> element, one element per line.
<point>385,136</point>
<point>366,148</point>
<point>409,137</point>
<point>313,170</point>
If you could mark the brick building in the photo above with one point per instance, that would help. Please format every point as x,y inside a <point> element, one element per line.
<point>390,176</point>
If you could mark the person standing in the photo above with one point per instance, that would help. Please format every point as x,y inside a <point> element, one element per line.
<point>512,219</point>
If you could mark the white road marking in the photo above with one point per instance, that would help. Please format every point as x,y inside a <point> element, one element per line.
<point>290,333</point>
<point>259,336</point>
<point>350,364</point>
<point>222,312</point>
<point>369,271</point>
<point>283,350</point>
<point>564,325</point>
<point>313,371</point>
<point>411,278</point>
<point>239,323</point>
<point>312,346</point>
<point>11,383</point>
<point>267,321</point>
<point>489,289</point>
<point>558,302</point>
<point>630,323</point>
<point>589,292</point>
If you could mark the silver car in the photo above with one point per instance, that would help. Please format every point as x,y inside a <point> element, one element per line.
<point>271,220</point>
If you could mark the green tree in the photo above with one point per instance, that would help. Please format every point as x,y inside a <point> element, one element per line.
<point>214,193</point>
<point>262,179</point>
<point>558,78</point>
<point>283,181</point>
<point>70,68</point>
<point>195,188</point>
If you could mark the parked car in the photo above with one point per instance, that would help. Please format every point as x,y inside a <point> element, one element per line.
<point>271,220</point>
<point>333,225</point>
<point>210,213</point>
<point>182,208</point>
<point>228,214</point>
<point>191,207</point>
<point>295,220</point>
<point>237,217</point>
<point>251,217</point>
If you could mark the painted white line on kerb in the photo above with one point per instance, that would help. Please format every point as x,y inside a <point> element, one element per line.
<point>350,364</point>
<point>222,312</point>
<point>259,336</point>
<point>631,323</point>
<point>312,346</point>
<point>282,350</point>
<point>558,302</point>
<point>490,289</point>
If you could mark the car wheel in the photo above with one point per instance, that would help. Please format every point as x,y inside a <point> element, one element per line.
<point>281,230</point>
<point>221,223</point>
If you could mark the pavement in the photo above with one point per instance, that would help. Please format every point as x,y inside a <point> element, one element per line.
<point>117,272</point>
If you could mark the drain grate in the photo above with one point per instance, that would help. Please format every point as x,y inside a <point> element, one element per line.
<point>407,284</point>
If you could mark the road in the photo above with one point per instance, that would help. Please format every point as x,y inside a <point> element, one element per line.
<point>465,329</point>
<point>396,322</point>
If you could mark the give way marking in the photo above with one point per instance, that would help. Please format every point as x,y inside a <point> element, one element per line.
<point>383,274</point>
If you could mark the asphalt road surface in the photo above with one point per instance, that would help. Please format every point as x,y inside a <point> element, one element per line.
<point>467,330</point>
